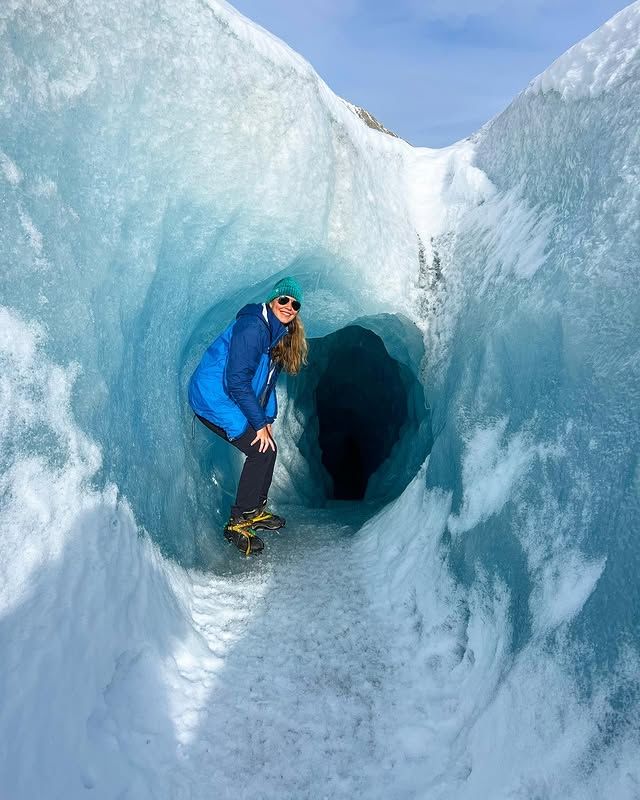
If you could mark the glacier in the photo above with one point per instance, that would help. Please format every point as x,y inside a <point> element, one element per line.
<point>465,626</point>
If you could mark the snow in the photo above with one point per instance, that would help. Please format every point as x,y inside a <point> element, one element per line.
<point>597,63</point>
<point>489,473</point>
<point>476,635</point>
<point>11,172</point>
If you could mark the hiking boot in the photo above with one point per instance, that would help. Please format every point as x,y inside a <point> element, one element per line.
<point>239,532</point>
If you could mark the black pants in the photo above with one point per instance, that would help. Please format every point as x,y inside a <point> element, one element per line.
<point>257,471</point>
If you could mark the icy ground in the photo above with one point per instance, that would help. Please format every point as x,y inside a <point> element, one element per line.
<point>304,662</point>
<point>287,689</point>
<point>301,685</point>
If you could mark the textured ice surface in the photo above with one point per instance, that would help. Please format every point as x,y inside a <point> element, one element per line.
<point>162,164</point>
<point>596,64</point>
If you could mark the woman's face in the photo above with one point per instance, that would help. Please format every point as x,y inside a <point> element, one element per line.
<point>285,313</point>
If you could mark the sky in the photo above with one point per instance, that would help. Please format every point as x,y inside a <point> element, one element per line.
<point>432,71</point>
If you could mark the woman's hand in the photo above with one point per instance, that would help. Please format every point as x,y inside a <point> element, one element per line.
<point>264,437</point>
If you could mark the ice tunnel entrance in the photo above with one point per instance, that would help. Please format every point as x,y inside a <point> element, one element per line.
<point>361,405</point>
<point>365,428</point>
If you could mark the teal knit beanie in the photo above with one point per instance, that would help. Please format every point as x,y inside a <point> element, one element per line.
<point>288,286</point>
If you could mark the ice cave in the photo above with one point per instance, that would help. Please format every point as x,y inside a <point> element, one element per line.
<point>452,609</point>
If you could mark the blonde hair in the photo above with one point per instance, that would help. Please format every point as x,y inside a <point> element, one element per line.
<point>291,351</point>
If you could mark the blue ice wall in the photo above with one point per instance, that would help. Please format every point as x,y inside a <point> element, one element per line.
<point>540,386</point>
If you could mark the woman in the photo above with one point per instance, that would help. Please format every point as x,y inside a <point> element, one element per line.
<point>232,392</point>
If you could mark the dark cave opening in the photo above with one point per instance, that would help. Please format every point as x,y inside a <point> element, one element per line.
<point>361,405</point>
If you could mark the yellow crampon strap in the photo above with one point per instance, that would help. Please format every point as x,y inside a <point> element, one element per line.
<point>242,526</point>
<point>243,530</point>
<point>248,522</point>
<point>249,534</point>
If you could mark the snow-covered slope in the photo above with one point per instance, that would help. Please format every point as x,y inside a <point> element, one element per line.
<point>161,164</point>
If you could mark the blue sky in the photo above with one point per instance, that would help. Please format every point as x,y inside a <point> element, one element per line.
<point>433,71</point>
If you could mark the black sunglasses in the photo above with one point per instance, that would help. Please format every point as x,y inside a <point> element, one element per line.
<point>295,305</point>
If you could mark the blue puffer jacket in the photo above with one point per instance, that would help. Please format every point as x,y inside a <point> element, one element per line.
<point>233,385</point>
